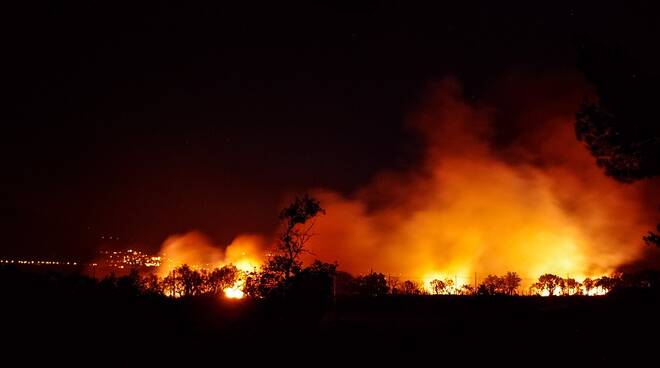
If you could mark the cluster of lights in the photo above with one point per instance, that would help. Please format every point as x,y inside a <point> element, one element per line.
<point>170,264</point>
<point>129,258</point>
<point>118,259</point>
<point>31,262</point>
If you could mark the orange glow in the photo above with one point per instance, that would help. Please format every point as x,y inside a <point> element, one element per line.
<point>237,253</point>
<point>592,292</point>
<point>194,249</point>
<point>245,252</point>
<point>474,205</point>
<point>234,292</point>
<point>537,205</point>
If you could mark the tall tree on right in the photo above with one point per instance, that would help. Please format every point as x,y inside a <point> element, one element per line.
<point>622,128</point>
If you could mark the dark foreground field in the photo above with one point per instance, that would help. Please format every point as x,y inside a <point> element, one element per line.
<point>82,328</point>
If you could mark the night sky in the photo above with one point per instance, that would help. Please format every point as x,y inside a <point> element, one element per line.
<point>143,121</point>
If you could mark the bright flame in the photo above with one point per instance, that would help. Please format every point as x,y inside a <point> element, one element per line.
<point>596,291</point>
<point>245,265</point>
<point>583,291</point>
<point>234,292</point>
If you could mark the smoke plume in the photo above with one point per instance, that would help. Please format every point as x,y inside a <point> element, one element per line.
<point>503,186</point>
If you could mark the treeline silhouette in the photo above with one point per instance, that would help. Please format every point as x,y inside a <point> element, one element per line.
<point>291,310</point>
<point>283,277</point>
<point>378,284</point>
<point>50,308</point>
<point>319,280</point>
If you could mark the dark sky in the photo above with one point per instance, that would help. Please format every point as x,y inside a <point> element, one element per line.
<point>142,121</point>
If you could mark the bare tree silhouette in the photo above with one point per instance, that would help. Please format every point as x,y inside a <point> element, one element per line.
<point>295,234</point>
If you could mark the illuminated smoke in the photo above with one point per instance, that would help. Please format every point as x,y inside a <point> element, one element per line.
<point>533,202</point>
<point>494,193</point>
<point>196,250</point>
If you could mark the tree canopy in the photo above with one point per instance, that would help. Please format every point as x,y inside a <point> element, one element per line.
<point>621,129</point>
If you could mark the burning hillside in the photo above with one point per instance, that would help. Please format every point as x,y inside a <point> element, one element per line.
<point>533,202</point>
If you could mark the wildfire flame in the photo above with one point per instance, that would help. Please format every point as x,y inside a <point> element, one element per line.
<point>235,292</point>
<point>195,250</point>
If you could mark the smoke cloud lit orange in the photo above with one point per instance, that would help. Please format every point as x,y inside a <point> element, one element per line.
<point>196,250</point>
<point>535,204</point>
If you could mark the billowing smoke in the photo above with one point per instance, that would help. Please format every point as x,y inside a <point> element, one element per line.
<point>501,188</point>
<point>195,250</point>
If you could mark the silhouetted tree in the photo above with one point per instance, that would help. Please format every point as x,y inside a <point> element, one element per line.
<point>548,282</point>
<point>169,285</point>
<point>588,285</point>
<point>221,278</point>
<point>285,263</point>
<point>438,287</point>
<point>294,235</point>
<point>466,290</point>
<point>263,283</point>
<point>606,283</point>
<point>510,283</point>
<point>571,287</point>
<point>313,284</point>
<point>653,238</point>
<point>188,281</point>
<point>562,286</point>
<point>620,129</point>
<point>345,284</point>
<point>394,284</point>
<point>642,280</point>
<point>131,285</point>
<point>492,285</point>
<point>372,284</point>
<point>410,287</point>
<point>152,285</point>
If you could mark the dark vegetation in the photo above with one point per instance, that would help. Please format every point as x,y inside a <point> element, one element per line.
<point>296,314</point>
<point>293,313</point>
<point>71,314</point>
<point>621,128</point>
